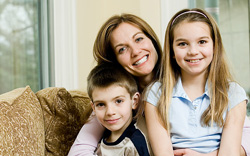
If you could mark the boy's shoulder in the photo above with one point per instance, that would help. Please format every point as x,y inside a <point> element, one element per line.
<point>131,142</point>
<point>138,138</point>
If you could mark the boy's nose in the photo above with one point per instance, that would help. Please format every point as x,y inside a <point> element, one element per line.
<point>110,110</point>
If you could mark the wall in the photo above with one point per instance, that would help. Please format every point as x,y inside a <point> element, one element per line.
<point>90,15</point>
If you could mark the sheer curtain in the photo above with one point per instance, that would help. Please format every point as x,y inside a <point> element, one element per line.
<point>234,26</point>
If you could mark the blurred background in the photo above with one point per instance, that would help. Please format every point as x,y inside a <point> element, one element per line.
<point>46,43</point>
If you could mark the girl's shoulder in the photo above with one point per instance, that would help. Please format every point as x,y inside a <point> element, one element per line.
<point>235,88</point>
<point>236,94</point>
<point>154,86</point>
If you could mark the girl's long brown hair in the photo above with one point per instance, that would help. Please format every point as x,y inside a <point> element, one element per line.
<point>218,73</point>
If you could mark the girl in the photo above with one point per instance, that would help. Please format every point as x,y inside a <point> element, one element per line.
<point>195,97</point>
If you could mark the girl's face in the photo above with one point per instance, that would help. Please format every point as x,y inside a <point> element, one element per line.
<point>134,50</point>
<point>193,47</point>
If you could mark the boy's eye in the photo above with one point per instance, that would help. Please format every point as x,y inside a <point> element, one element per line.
<point>100,105</point>
<point>118,101</point>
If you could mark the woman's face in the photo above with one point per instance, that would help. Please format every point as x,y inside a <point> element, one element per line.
<point>134,50</point>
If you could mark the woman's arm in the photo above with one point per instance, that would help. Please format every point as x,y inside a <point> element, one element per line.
<point>87,139</point>
<point>189,152</point>
<point>245,143</point>
<point>232,131</point>
<point>158,137</point>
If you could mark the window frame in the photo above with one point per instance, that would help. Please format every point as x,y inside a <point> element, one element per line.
<point>46,45</point>
<point>65,44</point>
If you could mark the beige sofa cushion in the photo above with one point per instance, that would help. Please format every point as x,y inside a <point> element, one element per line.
<point>63,118</point>
<point>21,123</point>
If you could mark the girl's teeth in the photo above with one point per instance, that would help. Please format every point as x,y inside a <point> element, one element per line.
<point>141,60</point>
<point>193,61</point>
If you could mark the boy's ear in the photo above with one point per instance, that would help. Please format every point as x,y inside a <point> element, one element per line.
<point>135,100</point>
<point>93,106</point>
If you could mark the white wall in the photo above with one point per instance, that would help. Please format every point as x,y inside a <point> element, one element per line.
<point>168,9</point>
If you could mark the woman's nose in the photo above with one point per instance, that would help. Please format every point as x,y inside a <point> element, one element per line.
<point>135,50</point>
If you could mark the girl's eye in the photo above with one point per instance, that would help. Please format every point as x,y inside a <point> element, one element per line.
<point>202,42</point>
<point>182,44</point>
<point>118,101</point>
<point>138,39</point>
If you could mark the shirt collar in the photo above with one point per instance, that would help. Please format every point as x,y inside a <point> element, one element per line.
<point>178,90</point>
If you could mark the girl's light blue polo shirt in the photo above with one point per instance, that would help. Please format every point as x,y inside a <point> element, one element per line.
<point>185,117</point>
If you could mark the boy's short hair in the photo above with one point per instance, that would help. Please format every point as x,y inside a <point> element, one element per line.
<point>107,74</point>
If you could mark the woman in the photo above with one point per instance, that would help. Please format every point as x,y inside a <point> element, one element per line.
<point>129,41</point>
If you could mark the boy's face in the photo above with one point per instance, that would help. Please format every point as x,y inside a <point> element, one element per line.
<point>113,107</point>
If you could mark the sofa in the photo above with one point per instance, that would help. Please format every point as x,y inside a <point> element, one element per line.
<point>42,123</point>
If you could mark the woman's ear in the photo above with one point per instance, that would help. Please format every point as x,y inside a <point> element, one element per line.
<point>135,100</point>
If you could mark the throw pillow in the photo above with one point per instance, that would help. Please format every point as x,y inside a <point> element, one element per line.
<point>21,123</point>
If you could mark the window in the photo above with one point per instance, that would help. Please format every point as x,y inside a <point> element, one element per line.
<point>24,47</point>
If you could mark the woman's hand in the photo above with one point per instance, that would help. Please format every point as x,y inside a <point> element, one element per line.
<point>189,152</point>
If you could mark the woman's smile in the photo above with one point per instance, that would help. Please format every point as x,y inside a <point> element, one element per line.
<point>142,60</point>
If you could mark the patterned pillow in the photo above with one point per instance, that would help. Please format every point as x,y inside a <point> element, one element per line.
<point>82,99</point>
<point>21,123</point>
<point>63,118</point>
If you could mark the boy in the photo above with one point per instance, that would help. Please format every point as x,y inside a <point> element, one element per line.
<point>115,97</point>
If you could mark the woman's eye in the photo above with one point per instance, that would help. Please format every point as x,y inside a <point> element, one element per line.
<point>121,50</point>
<point>138,39</point>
